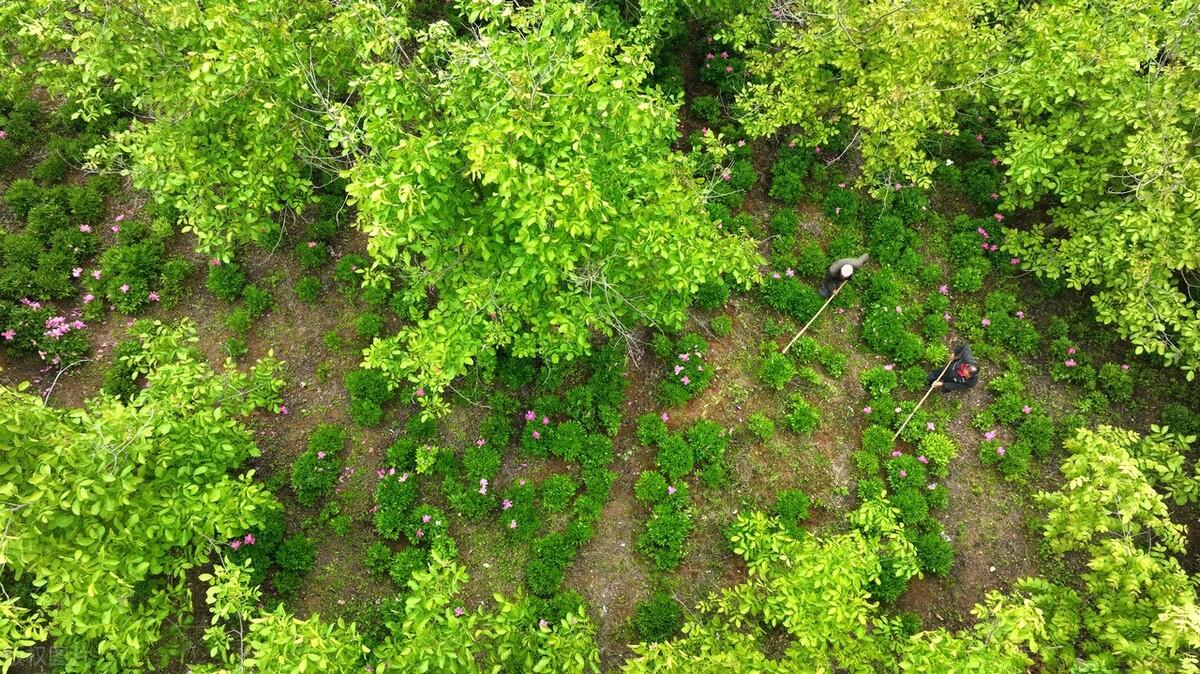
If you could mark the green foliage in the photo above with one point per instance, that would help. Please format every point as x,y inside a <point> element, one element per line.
<point>226,281</point>
<point>761,426</point>
<point>791,508</point>
<point>315,472</point>
<point>776,371</point>
<point>638,245</point>
<point>721,326</point>
<point>657,618</point>
<point>368,391</point>
<point>801,416</point>
<point>665,534</point>
<point>93,529</point>
<point>712,294</point>
<point>934,554</point>
<point>688,374</point>
<point>557,492</point>
<point>308,290</point>
<point>675,457</point>
<point>651,487</point>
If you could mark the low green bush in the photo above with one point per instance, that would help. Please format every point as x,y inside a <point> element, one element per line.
<point>801,416</point>
<point>658,618</point>
<point>791,508</point>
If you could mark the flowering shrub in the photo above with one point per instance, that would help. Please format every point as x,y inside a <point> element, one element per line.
<point>651,487</point>
<point>1007,324</point>
<point>1116,382</point>
<point>934,553</point>
<point>675,457</point>
<point>688,374</point>
<point>651,429</point>
<point>426,525</point>
<point>790,296</point>
<point>939,449</point>
<point>315,472</point>
<point>394,495</point>
<point>742,175</point>
<point>878,380</point>
<point>843,207</point>
<point>657,618</point>
<point>912,506</point>
<point>800,416</point>
<point>906,471</point>
<point>665,534</point>
<point>776,370</point>
<point>312,254</point>
<point>877,440</point>
<point>481,460</point>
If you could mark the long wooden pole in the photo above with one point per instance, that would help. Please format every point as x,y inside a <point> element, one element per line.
<point>931,387</point>
<point>814,316</point>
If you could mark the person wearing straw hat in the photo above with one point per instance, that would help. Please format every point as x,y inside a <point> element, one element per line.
<point>963,372</point>
<point>839,272</point>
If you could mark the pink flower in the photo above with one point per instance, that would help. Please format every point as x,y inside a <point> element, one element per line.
<point>119,218</point>
<point>946,315</point>
<point>728,69</point>
<point>1000,451</point>
<point>678,369</point>
<point>249,539</point>
<point>896,453</point>
<point>480,442</point>
<point>903,473</point>
<point>1070,362</point>
<point>216,262</point>
<point>506,504</point>
<point>153,296</point>
<point>512,524</point>
<point>421,534</point>
<point>985,322</point>
<point>9,335</point>
<point>483,485</point>
<point>236,543</point>
<point>665,417</point>
<point>96,274</point>
<point>536,435</point>
<point>684,357</point>
<point>320,455</point>
<point>867,409</point>
<point>543,624</point>
<point>990,435</point>
<point>425,519</point>
<point>724,54</point>
<point>994,247</point>
<point>522,482</point>
<point>545,421</point>
<point>984,246</point>
<point>116,228</point>
<point>1071,351</point>
<point>792,143</point>
<point>899,310</point>
<point>922,459</point>
<point>944,289</point>
<point>789,272</point>
<point>283,410</point>
<point>124,287</point>
<point>709,56</point>
<point>999,217</point>
<point>776,276</point>
<point>979,137</point>
<point>671,490</point>
<point>380,473</point>
<point>529,415</point>
<point>421,392</point>
<point>930,426</point>
<point>3,134</point>
<point>817,149</point>
<point>1015,261</point>
<point>1125,366</point>
<point>685,380</point>
<point>459,611</point>
<point>312,244</point>
<point>889,367</point>
<point>995,161</point>
<point>741,143</point>
<point>77,272</point>
<point>1021,315</point>
<point>86,229</point>
<point>982,232</point>
<point>88,298</point>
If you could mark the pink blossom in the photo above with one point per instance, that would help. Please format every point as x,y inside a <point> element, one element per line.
<point>536,435</point>
<point>990,435</point>
<point>3,134</point>
<point>1026,409</point>
<point>506,504</point>
<point>792,143</point>
<point>741,143</point>
<point>421,392</point>
<point>86,229</point>
<point>512,524</point>
<point>249,539</point>
<point>1125,366</point>
<point>425,519</point>
<point>283,410</point>
<point>982,232</point>
<point>889,367</point>
<point>789,272</point>
<point>530,415</point>
<point>984,246</point>
<point>115,228</point>
<point>944,289</point>
<point>728,69</point>
<point>9,335</point>
<point>724,54</point>
<point>1071,351</point>
<point>994,247</point>
<point>1015,261</point>
<point>236,543</point>
<point>994,196</point>
<point>709,56</point>
<point>1000,451</point>
<point>995,161</point>
<point>903,473</point>
<point>817,149</point>
<point>1021,315</point>
<point>545,421</point>
<point>312,244</point>
<point>459,611</point>
<point>922,459</point>
<point>216,262</point>
<point>480,442</point>
<point>678,369</point>
<point>124,287</point>
<point>380,473</point>
<point>685,380</point>
<point>119,218</point>
<point>899,310</point>
<point>483,483</point>
<point>776,276</point>
<point>1070,362</point>
<point>684,357</point>
<point>521,482</point>
<point>665,417</point>
<point>867,409</point>
<point>320,455</point>
<point>153,296</point>
<point>930,426</point>
<point>421,534</point>
<point>543,624</point>
<point>998,216</point>
<point>985,322</point>
<point>896,453</point>
<point>96,274</point>
<point>77,272</point>
<point>88,298</point>
<point>946,315</point>
<point>979,137</point>
<point>671,490</point>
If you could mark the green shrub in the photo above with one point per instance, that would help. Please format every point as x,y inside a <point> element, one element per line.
<point>22,195</point>
<point>906,471</point>
<point>712,294</point>
<point>50,170</point>
<point>1115,382</point>
<point>911,504</point>
<point>651,429</point>
<point>308,290</point>
<point>557,492</point>
<point>425,525</point>
<point>833,361</point>
<point>9,156</point>
<point>783,222</point>
<point>707,440</point>
<point>315,472</point>
<point>86,205</point>
<point>789,296</point>
<point>226,281</point>
<point>939,449</point>
<point>379,557</point>
<point>171,280</point>
<point>296,553</point>
<point>791,507</point>
<point>707,108</point>
<point>866,462</point>
<point>258,301</point>
<point>658,618</point>
<point>346,271</point>
<point>721,326</point>
<point>870,487</point>
<point>776,371</point>
<point>239,321</point>
<point>1180,419</point>
<point>742,175</point>
<point>877,440</point>
<point>675,457</point>
<point>312,254</point>
<point>664,536</point>
<point>761,426</point>
<point>407,562</point>
<point>394,494</point>
<point>934,554</point>
<point>801,416</point>
<point>889,586</point>
<point>650,488</point>
<point>368,325</point>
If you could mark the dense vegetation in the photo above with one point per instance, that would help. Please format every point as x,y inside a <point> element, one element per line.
<point>550,253</point>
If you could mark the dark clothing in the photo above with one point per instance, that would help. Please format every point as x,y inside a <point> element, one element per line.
<point>958,376</point>
<point>833,276</point>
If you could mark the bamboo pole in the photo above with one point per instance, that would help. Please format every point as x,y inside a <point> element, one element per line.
<point>814,317</point>
<point>931,387</point>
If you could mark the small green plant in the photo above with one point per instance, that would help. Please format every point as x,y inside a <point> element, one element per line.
<point>226,281</point>
<point>721,326</point>
<point>801,416</point>
<point>791,507</point>
<point>657,618</point>
<point>308,290</point>
<point>557,492</point>
<point>368,325</point>
<point>761,426</point>
<point>776,371</point>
